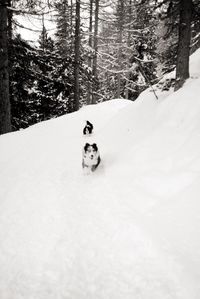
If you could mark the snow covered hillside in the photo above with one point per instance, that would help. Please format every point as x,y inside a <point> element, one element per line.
<point>130,230</point>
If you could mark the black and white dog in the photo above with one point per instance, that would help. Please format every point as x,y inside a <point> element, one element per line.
<point>91,157</point>
<point>88,128</point>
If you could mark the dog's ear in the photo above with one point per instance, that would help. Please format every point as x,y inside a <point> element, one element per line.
<point>95,147</point>
<point>86,146</point>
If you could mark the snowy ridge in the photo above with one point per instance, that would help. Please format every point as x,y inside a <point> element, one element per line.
<point>129,230</point>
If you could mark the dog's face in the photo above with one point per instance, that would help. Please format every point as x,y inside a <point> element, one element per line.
<point>91,150</point>
<point>91,157</point>
<point>88,128</point>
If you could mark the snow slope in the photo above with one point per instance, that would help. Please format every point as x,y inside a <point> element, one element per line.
<point>129,230</point>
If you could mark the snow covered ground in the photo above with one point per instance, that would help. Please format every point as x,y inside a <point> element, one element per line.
<point>129,230</point>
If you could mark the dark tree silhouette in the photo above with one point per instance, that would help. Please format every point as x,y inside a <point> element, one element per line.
<point>5,117</point>
<point>77,58</point>
<point>183,51</point>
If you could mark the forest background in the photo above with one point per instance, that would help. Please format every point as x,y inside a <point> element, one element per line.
<point>99,50</point>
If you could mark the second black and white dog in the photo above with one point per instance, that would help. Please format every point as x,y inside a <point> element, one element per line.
<point>91,157</point>
<point>87,130</point>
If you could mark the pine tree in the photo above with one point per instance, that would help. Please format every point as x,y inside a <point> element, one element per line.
<point>64,50</point>
<point>45,42</point>
<point>25,100</point>
<point>63,32</point>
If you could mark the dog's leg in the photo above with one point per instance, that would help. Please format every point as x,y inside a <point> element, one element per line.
<point>87,170</point>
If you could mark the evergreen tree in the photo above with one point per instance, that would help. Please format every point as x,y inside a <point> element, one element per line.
<point>45,42</point>
<point>63,24</point>
<point>55,83</point>
<point>23,92</point>
<point>38,91</point>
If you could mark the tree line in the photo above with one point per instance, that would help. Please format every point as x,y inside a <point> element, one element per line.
<point>100,50</point>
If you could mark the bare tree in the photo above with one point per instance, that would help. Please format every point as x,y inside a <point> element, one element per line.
<point>5,115</point>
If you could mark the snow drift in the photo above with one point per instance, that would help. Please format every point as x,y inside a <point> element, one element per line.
<point>129,230</point>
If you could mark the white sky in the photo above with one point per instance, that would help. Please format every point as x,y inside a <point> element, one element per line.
<point>34,23</point>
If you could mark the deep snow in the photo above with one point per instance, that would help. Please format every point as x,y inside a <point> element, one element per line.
<point>129,230</point>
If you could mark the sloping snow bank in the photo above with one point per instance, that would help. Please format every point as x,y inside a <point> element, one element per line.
<point>130,230</point>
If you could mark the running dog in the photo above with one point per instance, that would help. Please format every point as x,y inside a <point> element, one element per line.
<point>88,128</point>
<point>91,157</point>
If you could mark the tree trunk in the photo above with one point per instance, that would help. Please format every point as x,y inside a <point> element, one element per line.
<point>90,46</point>
<point>5,115</point>
<point>71,24</point>
<point>183,52</point>
<point>120,36</point>
<point>128,46</point>
<point>77,58</point>
<point>96,28</point>
<point>10,23</point>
